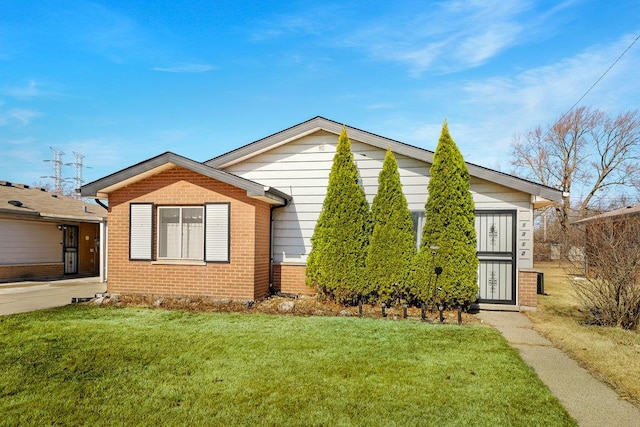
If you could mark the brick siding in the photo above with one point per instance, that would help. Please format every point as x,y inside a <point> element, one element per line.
<point>53,270</point>
<point>291,279</point>
<point>245,277</point>
<point>527,289</point>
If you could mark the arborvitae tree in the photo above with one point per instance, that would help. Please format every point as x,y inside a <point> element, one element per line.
<point>340,240</point>
<point>449,226</point>
<point>392,246</point>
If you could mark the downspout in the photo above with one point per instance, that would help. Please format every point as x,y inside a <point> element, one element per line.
<point>98,201</point>
<point>273,208</point>
<point>103,244</point>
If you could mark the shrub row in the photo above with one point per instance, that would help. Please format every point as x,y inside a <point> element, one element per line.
<point>362,253</point>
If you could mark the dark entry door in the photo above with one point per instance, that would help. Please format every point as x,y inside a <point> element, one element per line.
<point>70,249</point>
<point>496,248</point>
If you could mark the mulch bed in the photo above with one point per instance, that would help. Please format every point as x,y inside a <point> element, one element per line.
<point>282,305</point>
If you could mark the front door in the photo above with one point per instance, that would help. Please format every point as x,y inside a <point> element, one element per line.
<point>496,249</point>
<point>70,249</point>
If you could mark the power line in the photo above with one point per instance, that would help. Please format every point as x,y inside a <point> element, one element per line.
<point>600,78</point>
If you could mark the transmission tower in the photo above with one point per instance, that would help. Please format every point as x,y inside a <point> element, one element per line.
<point>78,168</point>
<point>56,163</point>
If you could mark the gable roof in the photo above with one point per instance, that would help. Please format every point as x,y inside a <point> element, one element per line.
<point>541,195</point>
<point>102,187</point>
<point>19,200</point>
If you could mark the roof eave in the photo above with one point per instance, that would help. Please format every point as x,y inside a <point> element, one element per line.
<point>18,212</point>
<point>105,186</point>
<point>94,219</point>
<point>311,126</point>
<point>321,123</point>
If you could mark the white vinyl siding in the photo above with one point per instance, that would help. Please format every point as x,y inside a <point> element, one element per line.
<point>217,232</point>
<point>141,231</point>
<point>301,169</point>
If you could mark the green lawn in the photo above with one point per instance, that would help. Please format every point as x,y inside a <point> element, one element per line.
<point>128,366</point>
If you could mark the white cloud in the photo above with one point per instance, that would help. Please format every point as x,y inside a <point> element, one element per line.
<point>311,21</point>
<point>186,68</point>
<point>542,94</point>
<point>485,114</point>
<point>380,106</point>
<point>19,116</point>
<point>30,90</point>
<point>447,36</point>
<point>442,36</point>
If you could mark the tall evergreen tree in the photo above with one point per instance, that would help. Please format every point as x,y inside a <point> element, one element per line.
<point>392,246</point>
<point>449,226</point>
<point>336,263</point>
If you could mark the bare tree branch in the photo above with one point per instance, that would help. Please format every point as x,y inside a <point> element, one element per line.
<point>584,151</point>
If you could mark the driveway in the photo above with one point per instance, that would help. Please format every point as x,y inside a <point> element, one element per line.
<point>21,297</point>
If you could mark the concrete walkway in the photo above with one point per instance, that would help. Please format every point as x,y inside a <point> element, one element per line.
<point>21,297</point>
<point>589,401</point>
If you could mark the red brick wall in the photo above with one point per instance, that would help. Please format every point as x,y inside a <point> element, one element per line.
<point>246,276</point>
<point>527,288</point>
<point>54,270</point>
<point>290,279</point>
<point>262,250</point>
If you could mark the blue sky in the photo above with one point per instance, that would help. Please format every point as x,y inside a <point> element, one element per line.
<point>123,81</point>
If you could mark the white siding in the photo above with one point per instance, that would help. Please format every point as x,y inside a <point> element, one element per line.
<point>524,247</point>
<point>301,169</point>
<point>29,242</point>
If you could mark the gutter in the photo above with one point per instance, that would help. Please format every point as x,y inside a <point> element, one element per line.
<point>72,217</point>
<point>273,208</point>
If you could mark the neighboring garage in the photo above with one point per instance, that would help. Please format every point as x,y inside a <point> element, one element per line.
<point>46,236</point>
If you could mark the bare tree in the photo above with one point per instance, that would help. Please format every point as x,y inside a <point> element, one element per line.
<point>585,150</point>
<point>610,291</point>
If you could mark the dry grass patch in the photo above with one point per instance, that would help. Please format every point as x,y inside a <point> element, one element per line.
<point>610,354</point>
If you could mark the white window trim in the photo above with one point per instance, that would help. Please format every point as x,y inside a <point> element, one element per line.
<point>158,231</point>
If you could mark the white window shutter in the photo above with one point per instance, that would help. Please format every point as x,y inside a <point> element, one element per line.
<point>141,231</point>
<point>217,232</point>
